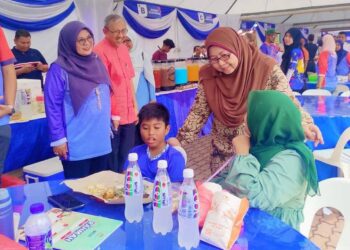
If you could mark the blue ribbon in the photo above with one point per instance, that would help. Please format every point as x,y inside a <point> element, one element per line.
<point>195,33</point>
<point>12,24</point>
<point>39,2</point>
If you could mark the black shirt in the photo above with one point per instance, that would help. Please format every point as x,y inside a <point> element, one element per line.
<point>30,55</point>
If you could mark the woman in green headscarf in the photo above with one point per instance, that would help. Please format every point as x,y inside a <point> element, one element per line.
<point>273,166</point>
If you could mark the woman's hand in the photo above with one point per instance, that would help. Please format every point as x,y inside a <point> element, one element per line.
<point>313,133</point>
<point>61,150</point>
<point>173,142</point>
<point>241,144</point>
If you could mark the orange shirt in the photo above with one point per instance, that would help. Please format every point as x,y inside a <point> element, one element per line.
<point>5,52</point>
<point>118,64</point>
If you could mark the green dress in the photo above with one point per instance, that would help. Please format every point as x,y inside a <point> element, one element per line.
<point>280,170</point>
<point>279,188</point>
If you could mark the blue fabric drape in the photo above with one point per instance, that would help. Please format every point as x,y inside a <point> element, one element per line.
<point>193,31</point>
<point>12,24</point>
<point>39,2</point>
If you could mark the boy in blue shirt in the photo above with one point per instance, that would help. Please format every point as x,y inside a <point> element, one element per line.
<point>154,126</point>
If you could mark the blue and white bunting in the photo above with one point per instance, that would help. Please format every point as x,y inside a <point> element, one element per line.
<point>34,15</point>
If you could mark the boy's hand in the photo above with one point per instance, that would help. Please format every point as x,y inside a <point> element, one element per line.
<point>61,150</point>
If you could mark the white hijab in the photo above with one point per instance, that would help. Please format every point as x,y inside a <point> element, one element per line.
<point>140,61</point>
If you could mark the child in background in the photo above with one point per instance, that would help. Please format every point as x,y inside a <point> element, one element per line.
<point>154,126</point>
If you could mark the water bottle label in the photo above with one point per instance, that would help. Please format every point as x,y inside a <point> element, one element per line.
<point>189,204</point>
<point>39,242</point>
<point>132,182</point>
<point>161,193</point>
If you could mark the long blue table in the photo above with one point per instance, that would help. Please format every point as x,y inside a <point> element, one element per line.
<point>260,231</point>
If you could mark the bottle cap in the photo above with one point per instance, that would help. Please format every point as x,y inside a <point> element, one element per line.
<point>36,208</point>
<point>39,98</point>
<point>162,164</point>
<point>188,173</point>
<point>4,194</point>
<point>132,157</point>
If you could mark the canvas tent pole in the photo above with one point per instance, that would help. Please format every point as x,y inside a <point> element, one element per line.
<point>228,10</point>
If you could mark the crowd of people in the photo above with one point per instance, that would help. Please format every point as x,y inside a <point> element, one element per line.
<point>100,105</point>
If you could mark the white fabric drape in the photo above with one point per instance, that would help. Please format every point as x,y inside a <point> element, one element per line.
<point>31,13</point>
<point>198,25</point>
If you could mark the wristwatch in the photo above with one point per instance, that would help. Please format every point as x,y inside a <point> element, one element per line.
<point>12,109</point>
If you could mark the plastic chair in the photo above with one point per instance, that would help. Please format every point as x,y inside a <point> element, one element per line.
<point>338,156</point>
<point>318,92</point>
<point>182,151</point>
<point>345,94</point>
<point>341,88</point>
<point>333,193</point>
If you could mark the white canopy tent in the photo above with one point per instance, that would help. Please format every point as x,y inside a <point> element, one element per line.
<point>313,14</point>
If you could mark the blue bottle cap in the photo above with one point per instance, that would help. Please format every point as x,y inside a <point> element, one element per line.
<point>36,208</point>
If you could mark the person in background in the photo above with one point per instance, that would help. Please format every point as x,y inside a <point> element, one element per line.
<point>235,68</point>
<point>273,152</point>
<point>197,52</point>
<point>162,53</point>
<point>77,104</point>
<point>250,37</point>
<point>327,63</point>
<point>204,51</point>
<point>293,60</point>
<point>144,84</point>
<point>115,56</point>
<point>269,47</point>
<point>312,49</point>
<point>305,52</point>
<point>154,126</point>
<point>8,86</point>
<point>343,60</point>
<point>25,54</point>
<point>342,36</point>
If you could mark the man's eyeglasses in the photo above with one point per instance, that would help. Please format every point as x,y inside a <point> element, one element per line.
<point>223,57</point>
<point>82,41</point>
<point>127,41</point>
<point>118,32</point>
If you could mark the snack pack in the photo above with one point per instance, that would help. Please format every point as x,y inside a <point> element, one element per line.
<point>206,192</point>
<point>224,220</point>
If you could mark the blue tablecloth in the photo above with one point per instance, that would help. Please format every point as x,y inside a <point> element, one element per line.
<point>179,104</point>
<point>29,144</point>
<point>260,231</point>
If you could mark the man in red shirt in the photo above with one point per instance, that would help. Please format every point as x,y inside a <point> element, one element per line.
<point>115,56</point>
<point>162,53</point>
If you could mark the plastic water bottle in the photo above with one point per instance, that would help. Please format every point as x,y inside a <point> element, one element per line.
<point>162,205</point>
<point>6,214</point>
<point>188,212</point>
<point>133,190</point>
<point>38,229</point>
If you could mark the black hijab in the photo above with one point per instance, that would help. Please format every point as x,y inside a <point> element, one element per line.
<point>286,57</point>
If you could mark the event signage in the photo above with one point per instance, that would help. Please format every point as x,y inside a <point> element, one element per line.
<point>149,11</point>
<point>205,17</point>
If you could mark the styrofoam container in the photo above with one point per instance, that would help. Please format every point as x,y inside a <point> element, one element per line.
<point>47,170</point>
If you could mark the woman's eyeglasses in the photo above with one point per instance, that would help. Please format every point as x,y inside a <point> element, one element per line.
<point>82,41</point>
<point>223,57</point>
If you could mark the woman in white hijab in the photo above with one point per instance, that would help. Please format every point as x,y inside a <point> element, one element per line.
<point>144,84</point>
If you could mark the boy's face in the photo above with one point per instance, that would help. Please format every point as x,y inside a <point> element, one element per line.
<point>153,132</point>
